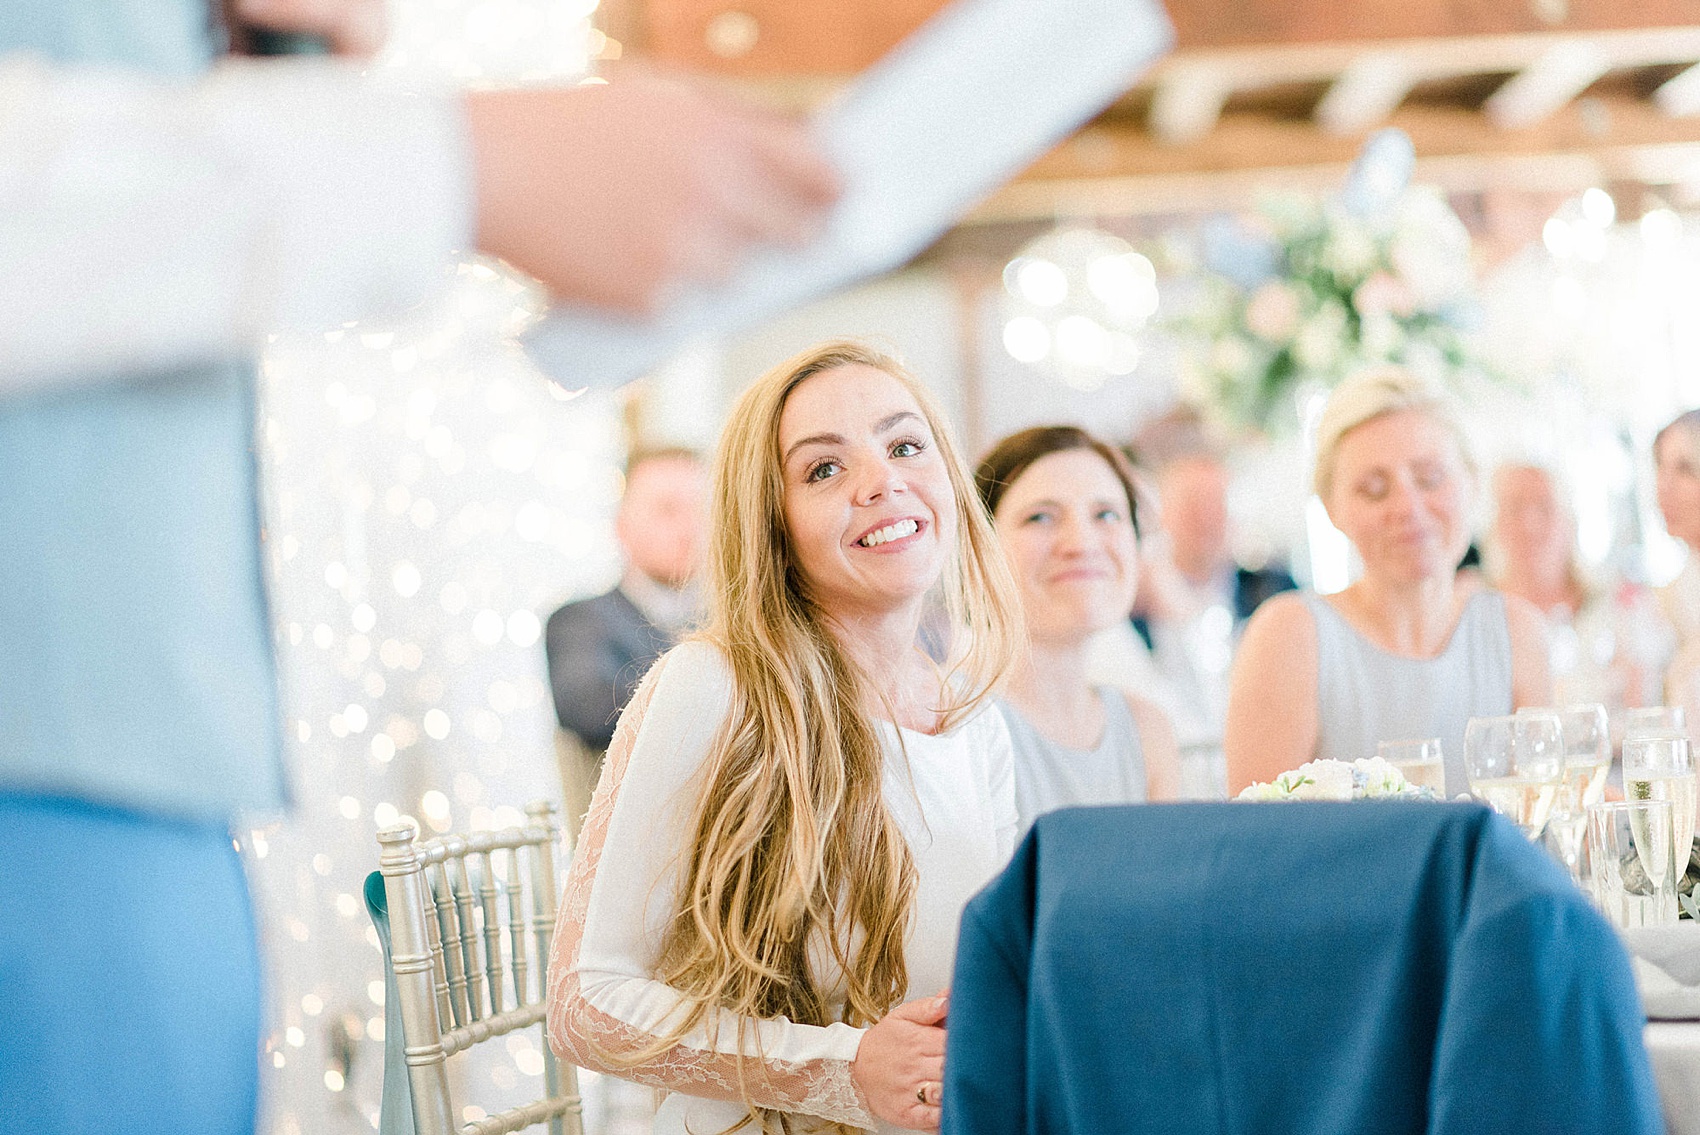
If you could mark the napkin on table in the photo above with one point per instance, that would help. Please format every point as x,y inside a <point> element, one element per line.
<point>1667,970</point>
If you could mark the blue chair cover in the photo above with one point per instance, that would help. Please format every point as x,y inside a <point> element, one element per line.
<point>395,1110</point>
<point>1290,968</point>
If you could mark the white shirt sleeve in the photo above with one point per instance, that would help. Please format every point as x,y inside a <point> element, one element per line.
<point>1000,765</point>
<point>146,224</point>
<point>604,1000</point>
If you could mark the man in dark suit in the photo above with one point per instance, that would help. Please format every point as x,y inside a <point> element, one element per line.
<point>599,649</point>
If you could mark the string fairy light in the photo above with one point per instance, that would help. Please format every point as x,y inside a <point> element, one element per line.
<point>429,495</point>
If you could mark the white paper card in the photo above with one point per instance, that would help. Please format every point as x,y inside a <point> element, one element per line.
<point>961,106</point>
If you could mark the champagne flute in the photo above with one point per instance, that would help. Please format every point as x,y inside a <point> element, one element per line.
<point>1662,768</point>
<point>1635,876</point>
<point>1515,765</point>
<point>1587,760</point>
<point>1418,761</point>
<point>1655,721</point>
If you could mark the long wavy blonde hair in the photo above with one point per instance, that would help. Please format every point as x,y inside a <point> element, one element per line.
<point>792,851</point>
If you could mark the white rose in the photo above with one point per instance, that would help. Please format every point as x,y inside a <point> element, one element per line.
<point>1380,778</point>
<point>1317,347</point>
<point>1328,780</point>
<point>1351,253</point>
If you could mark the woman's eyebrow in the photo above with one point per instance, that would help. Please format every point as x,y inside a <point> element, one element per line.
<point>887,423</point>
<point>812,439</point>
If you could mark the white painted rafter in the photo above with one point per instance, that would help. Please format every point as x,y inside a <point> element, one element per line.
<point>1370,89</point>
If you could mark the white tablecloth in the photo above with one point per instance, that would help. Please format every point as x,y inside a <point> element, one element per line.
<point>1674,1047</point>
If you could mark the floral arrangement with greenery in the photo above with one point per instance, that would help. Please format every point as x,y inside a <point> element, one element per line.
<point>1313,290</point>
<point>1369,778</point>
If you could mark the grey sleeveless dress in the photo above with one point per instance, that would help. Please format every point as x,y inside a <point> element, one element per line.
<point>1365,695</point>
<point>1049,776</point>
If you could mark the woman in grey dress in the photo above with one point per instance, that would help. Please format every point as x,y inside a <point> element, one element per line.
<point>1410,650</point>
<point>1062,503</point>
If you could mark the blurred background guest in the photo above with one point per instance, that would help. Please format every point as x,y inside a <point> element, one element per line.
<point>1408,650</point>
<point>1605,642</point>
<point>1195,596</point>
<point>1676,463</point>
<point>1063,505</point>
<point>600,648</point>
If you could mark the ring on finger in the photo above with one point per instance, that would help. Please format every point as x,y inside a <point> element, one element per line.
<point>921,1092</point>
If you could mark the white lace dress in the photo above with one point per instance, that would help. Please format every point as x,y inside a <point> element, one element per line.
<point>952,795</point>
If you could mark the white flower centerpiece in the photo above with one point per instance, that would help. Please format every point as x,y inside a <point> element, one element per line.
<point>1311,290</point>
<point>1372,778</point>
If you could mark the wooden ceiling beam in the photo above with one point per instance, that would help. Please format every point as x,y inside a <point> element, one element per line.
<point>1255,68</point>
<point>1432,58</point>
<point>1112,168</point>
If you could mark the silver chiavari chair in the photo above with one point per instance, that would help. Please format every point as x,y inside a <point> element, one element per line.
<point>470,919</point>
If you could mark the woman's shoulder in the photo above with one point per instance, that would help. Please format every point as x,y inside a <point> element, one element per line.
<point>1524,622</point>
<point>1150,720</point>
<point>989,722</point>
<point>695,676</point>
<point>1287,613</point>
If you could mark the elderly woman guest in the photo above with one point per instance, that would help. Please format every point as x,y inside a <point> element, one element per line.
<point>1063,505</point>
<point>1605,642</point>
<point>798,802</point>
<point>1408,650</point>
<point>1676,463</point>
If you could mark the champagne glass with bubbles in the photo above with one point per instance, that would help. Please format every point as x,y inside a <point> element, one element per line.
<point>1516,765</point>
<point>1662,768</point>
<point>1587,760</point>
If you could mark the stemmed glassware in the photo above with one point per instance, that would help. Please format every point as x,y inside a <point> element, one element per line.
<point>1662,768</point>
<point>1419,761</point>
<point>1634,869</point>
<point>1587,760</point>
<point>1516,766</point>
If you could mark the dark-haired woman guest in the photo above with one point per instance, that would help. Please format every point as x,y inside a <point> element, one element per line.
<point>1063,506</point>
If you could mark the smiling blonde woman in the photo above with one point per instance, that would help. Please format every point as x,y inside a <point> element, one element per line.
<point>797,804</point>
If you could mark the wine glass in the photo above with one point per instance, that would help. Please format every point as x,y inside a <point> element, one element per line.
<point>1587,760</point>
<point>1419,761</point>
<point>1654,721</point>
<point>1662,768</point>
<point>1516,765</point>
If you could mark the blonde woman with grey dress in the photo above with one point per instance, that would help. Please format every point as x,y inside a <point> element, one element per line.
<point>1408,651</point>
<point>1063,506</point>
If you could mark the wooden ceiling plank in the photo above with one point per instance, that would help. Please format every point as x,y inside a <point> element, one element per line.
<point>1369,90</point>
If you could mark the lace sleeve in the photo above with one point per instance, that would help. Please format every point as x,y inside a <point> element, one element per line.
<point>619,893</point>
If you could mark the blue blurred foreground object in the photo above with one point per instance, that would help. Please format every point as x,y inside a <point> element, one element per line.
<point>1314,969</point>
<point>129,977</point>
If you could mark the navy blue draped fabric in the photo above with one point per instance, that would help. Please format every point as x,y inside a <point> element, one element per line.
<point>1310,969</point>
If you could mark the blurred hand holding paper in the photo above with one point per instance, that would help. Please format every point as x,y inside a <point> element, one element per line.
<point>956,110</point>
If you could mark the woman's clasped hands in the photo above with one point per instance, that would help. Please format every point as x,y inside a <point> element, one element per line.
<point>899,1067</point>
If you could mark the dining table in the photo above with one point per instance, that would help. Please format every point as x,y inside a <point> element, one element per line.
<point>1673,1047</point>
